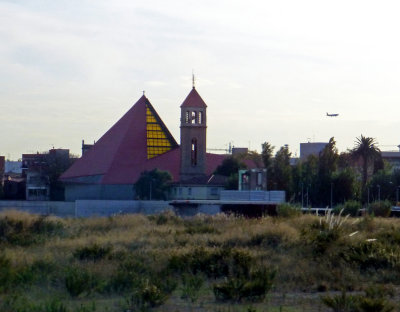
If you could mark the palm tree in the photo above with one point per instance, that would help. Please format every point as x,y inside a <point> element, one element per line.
<point>367,151</point>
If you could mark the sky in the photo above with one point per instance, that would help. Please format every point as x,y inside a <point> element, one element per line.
<point>268,70</point>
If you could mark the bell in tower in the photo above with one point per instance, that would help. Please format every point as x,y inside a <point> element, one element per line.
<point>193,137</point>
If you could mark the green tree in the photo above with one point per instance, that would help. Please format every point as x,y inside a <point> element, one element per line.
<point>56,165</point>
<point>266,154</point>
<point>229,168</point>
<point>153,184</point>
<point>281,171</point>
<point>366,152</point>
<point>345,186</point>
<point>230,165</point>
<point>306,174</point>
<point>327,163</point>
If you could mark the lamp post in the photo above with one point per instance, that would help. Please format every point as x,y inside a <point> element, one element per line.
<point>302,196</point>
<point>368,195</point>
<point>331,195</point>
<point>397,194</point>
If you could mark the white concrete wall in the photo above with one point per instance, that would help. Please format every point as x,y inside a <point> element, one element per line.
<point>87,208</point>
<point>62,209</point>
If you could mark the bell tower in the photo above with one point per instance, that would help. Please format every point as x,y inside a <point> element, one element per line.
<point>193,136</point>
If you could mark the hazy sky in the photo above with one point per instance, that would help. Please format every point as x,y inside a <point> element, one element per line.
<point>268,70</point>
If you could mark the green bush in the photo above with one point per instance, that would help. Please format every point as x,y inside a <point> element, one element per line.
<point>253,287</point>
<point>215,263</point>
<point>350,207</point>
<point>380,208</point>
<point>18,232</point>
<point>148,294</point>
<point>93,252</point>
<point>79,281</point>
<point>199,227</point>
<point>341,303</point>
<point>6,274</point>
<point>374,300</point>
<point>375,255</point>
<point>287,210</point>
<point>19,304</point>
<point>191,285</point>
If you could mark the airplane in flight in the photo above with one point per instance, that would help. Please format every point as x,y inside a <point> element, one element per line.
<point>332,115</point>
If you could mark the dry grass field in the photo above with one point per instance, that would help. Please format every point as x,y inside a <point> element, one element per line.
<point>205,263</point>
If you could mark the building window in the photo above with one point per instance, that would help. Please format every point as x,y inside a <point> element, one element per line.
<point>187,117</point>
<point>189,191</point>
<point>158,141</point>
<point>193,118</point>
<point>200,117</point>
<point>194,152</point>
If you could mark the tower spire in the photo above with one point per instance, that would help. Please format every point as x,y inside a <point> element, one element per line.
<point>193,80</point>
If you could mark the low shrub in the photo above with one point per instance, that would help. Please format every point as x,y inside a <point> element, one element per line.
<point>19,304</point>
<point>350,207</point>
<point>287,210</point>
<point>322,234</point>
<point>79,281</point>
<point>341,303</point>
<point>375,255</point>
<point>380,208</point>
<point>199,228</point>
<point>253,287</point>
<point>128,274</point>
<point>375,299</point>
<point>28,232</point>
<point>214,263</point>
<point>191,285</point>
<point>164,218</point>
<point>148,294</point>
<point>92,253</point>
<point>6,274</point>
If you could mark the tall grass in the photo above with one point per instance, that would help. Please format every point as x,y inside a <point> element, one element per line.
<point>139,262</point>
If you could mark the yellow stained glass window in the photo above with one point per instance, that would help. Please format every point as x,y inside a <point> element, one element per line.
<point>158,140</point>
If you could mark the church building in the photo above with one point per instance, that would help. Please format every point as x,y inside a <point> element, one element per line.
<point>139,142</point>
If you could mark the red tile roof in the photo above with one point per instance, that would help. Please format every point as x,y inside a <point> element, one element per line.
<point>193,100</point>
<point>120,156</point>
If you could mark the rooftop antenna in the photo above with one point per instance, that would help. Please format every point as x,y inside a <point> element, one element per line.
<point>193,80</point>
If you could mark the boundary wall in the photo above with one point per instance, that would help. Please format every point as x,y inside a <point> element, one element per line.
<point>86,208</point>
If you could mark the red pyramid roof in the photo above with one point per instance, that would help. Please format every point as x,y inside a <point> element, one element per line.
<point>120,156</point>
<point>193,100</point>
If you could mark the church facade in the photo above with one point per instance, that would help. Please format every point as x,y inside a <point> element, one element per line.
<point>139,142</point>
